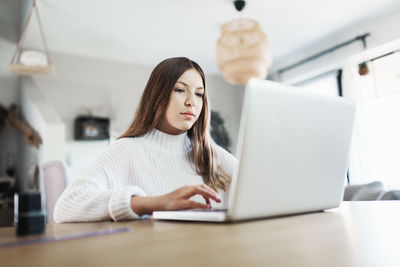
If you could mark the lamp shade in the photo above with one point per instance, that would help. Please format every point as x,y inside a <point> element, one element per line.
<point>243,51</point>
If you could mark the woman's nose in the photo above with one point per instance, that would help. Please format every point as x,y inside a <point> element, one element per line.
<point>190,100</point>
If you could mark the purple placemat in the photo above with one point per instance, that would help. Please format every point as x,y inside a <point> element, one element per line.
<point>63,237</point>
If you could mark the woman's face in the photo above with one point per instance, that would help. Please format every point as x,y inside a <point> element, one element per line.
<point>185,104</point>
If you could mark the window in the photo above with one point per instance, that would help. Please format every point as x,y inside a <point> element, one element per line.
<point>325,84</point>
<point>376,150</point>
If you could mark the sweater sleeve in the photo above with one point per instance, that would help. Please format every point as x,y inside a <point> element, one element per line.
<point>95,197</point>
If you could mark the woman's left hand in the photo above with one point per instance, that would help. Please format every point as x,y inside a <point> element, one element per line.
<point>175,200</point>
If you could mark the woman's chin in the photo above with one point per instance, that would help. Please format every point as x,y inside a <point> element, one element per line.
<point>178,129</point>
<point>185,128</point>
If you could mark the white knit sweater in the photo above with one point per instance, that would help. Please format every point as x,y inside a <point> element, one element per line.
<point>150,165</point>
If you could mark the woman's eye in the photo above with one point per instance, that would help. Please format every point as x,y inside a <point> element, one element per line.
<point>179,90</point>
<point>199,94</point>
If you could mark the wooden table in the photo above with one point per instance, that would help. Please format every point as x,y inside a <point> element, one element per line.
<point>356,234</point>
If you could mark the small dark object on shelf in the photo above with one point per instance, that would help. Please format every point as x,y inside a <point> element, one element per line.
<point>91,128</point>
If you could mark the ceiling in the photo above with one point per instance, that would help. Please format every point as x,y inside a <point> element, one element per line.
<point>147,31</point>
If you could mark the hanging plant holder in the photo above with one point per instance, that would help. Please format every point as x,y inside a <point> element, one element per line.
<point>31,62</point>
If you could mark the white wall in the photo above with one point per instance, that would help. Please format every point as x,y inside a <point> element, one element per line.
<point>383,28</point>
<point>40,112</point>
<point>227,99</point>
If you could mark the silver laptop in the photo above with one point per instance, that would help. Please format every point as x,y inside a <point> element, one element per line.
<point>293,149</point>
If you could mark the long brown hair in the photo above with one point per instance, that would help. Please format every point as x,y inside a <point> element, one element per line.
<point>153,105</point>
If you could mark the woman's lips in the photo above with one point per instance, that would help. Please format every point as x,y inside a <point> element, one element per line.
<point>188,116</point>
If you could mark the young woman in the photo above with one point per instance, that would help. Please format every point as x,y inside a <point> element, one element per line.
<point>166,160</point>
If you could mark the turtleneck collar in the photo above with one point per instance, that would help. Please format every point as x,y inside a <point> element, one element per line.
<point>167,142</point>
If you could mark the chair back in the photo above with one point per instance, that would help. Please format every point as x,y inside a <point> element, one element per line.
<point>54,176</point>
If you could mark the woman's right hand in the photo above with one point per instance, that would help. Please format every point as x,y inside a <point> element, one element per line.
<point>175,200</point>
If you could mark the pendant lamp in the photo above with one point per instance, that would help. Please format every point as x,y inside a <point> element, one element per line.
<point>243,50</point>
<point>28,62</point>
